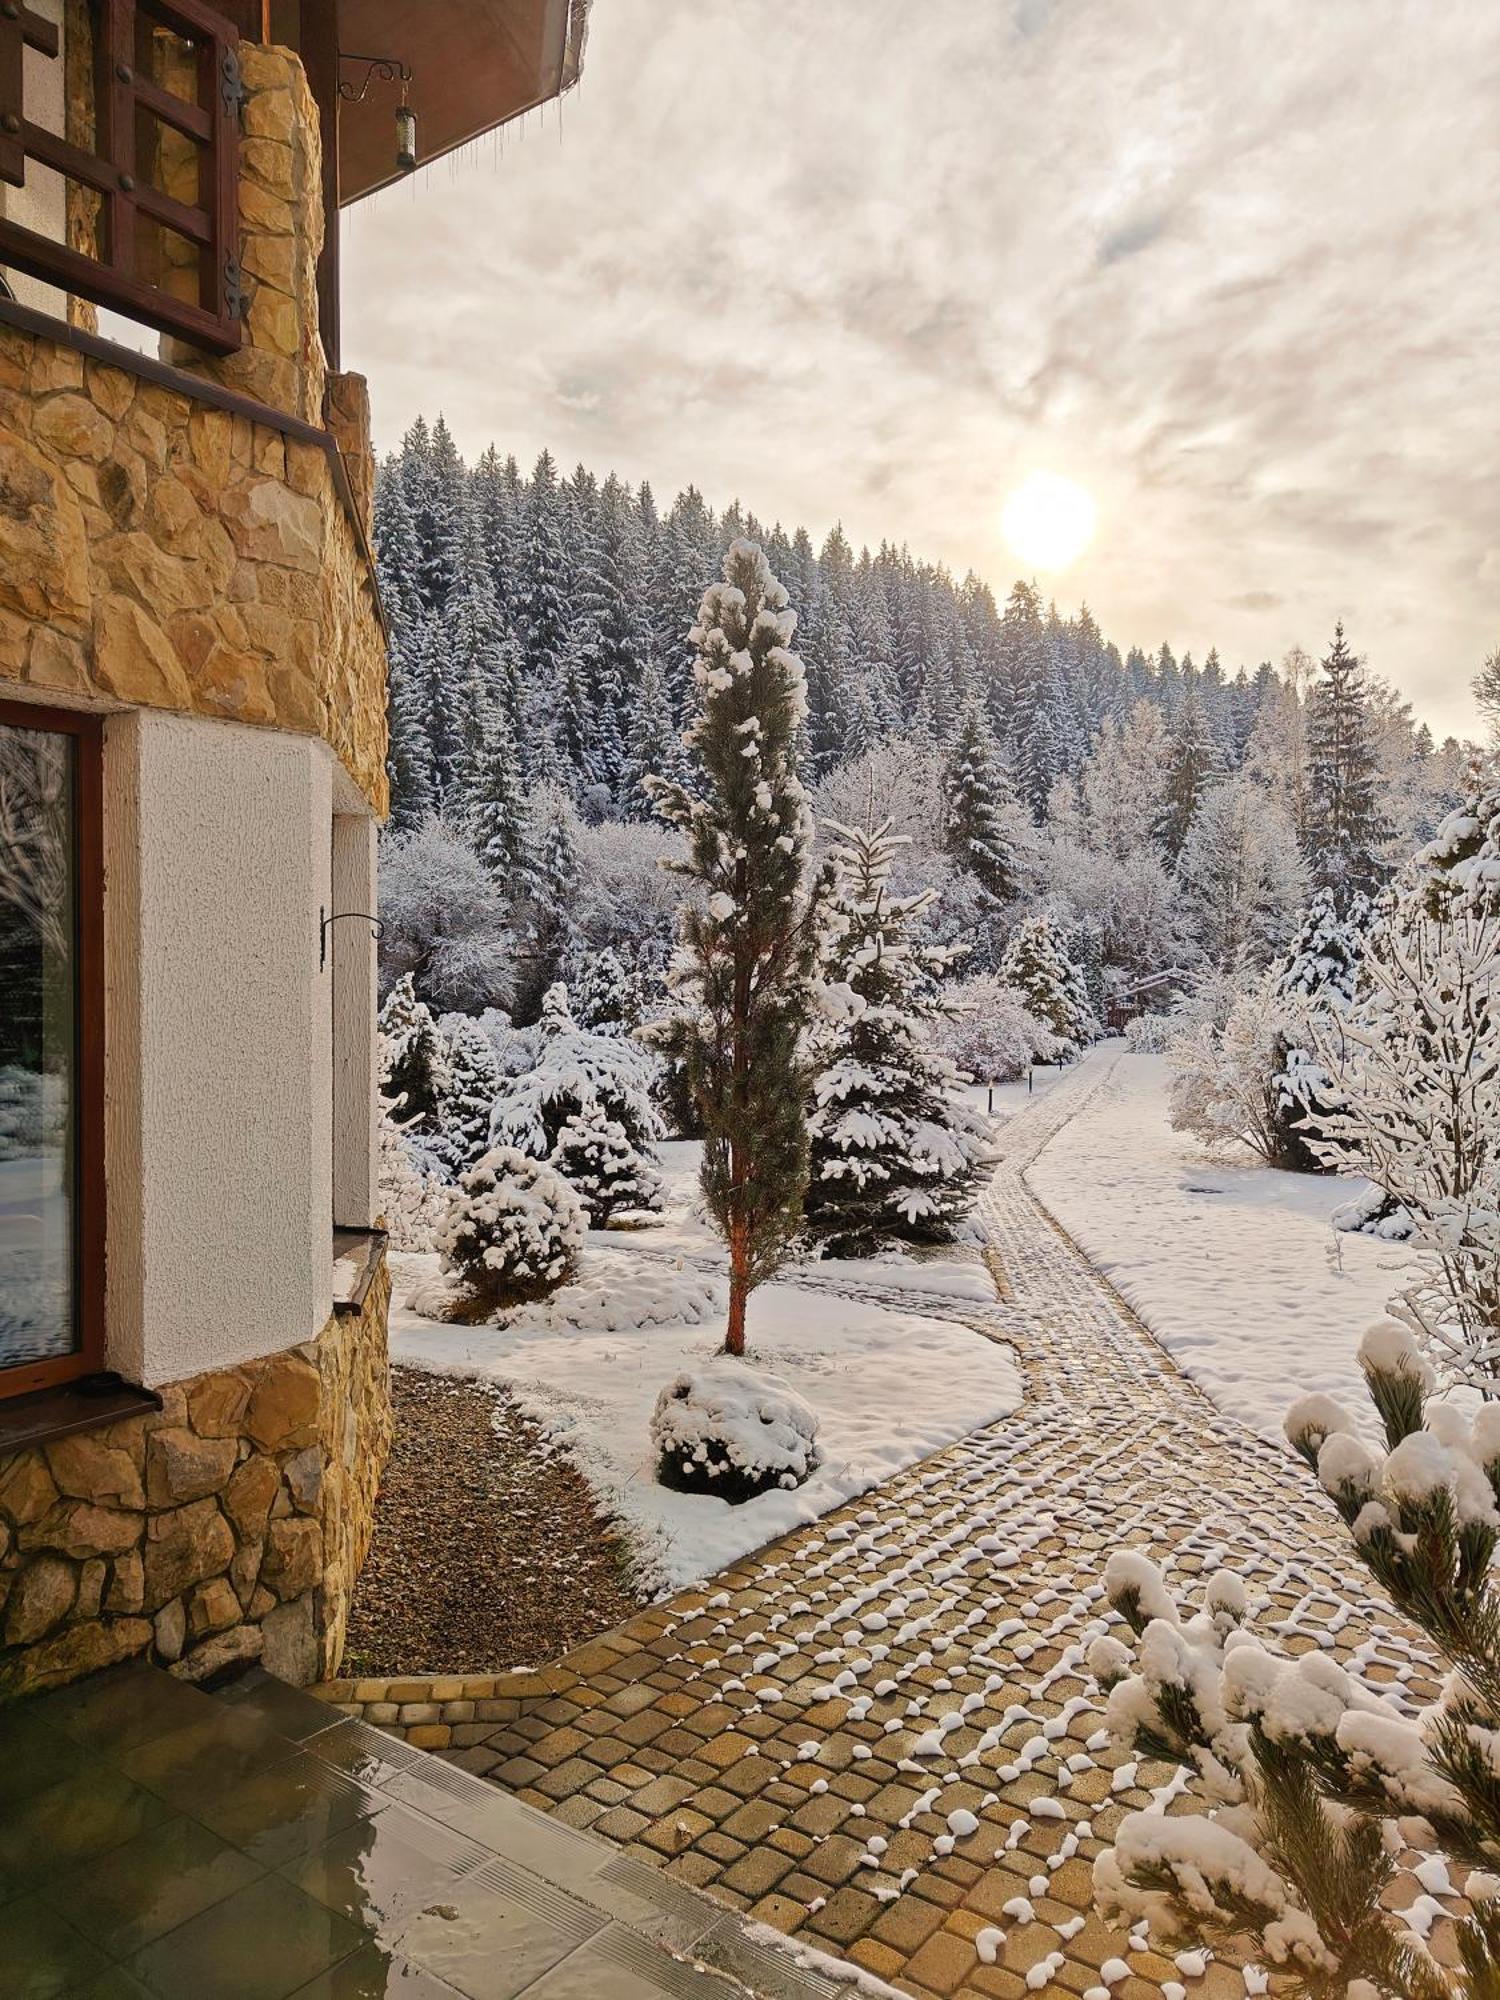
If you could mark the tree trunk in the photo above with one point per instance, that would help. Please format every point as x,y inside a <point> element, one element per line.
<point>739,1287</point>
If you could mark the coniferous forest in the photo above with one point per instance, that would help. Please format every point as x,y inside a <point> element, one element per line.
<point>1170,815</point>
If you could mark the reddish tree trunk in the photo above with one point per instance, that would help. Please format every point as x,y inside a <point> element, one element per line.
<point>739,1287</point>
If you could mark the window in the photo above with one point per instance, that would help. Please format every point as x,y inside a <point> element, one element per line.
<point>51,1048</point>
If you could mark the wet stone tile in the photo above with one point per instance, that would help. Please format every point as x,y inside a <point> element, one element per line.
<point>150,1885</point>
<point>262,1943</point>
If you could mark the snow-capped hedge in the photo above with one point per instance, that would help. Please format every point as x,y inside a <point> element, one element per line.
<point>733,1431</point>
<point>513,1230</point>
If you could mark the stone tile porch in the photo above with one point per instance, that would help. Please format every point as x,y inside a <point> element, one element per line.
<point>159,1840</point>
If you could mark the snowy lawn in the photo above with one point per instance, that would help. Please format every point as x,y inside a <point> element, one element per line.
<point>1235,1268</point>
<point>889,1386</point>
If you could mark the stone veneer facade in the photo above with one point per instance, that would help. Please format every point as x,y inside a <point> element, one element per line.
<point>227,1526</point>
<point>160,551</point>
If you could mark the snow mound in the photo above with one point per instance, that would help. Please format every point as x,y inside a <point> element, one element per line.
<point>732,1430</point>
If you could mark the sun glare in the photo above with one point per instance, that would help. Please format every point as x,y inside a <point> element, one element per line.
<point>1048,521</point>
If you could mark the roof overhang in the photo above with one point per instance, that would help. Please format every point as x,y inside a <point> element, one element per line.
<point>475,64</point>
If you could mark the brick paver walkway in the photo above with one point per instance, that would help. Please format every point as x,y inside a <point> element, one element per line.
<point>878,1735</point>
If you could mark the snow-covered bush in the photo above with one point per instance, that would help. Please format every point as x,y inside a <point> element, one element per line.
<point>1414,1103</point>
<point>1224,1081</point>
<point>513,1230</point>
<point>443,914</point>
<point>1314,1780</point>
<point>990,1034</point>
<point>413,1198</point>
<point>895,1152</point>
<point>1153,1034</point>
<point>733,1431</point>
<point>1242,1076</point>
<point>595,1157</point>
<point>574,1069</point>
<point>1038,965</point>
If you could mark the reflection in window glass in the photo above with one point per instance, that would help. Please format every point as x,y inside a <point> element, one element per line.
<point>38,1002</point>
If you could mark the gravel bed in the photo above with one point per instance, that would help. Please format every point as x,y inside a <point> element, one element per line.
<point>488,1552</point>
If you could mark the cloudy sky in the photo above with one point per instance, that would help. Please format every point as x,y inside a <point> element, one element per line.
<point>1233,266</point>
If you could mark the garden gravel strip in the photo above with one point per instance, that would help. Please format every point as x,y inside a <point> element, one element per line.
<point>878,1734</point>
<point>488,1550</point>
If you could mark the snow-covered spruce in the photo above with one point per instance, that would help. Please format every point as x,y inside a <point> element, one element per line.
<point>1038,965</point>
<point>595,1157</point>
<point>733,1431</point>
<point>985,827</point>
<point>413,1054</point>
<point>466,1092</point>
<point>605,999</point>
<point>513,1230</point>
<point>895,1152</point>
<point>575,1069</point>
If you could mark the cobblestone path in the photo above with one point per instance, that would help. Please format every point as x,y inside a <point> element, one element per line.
<point>878,1735</point>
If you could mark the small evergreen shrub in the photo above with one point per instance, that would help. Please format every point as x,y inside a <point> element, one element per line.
<point>595,1157</point>
<point>734,1432</point>
<point>513,1230</point>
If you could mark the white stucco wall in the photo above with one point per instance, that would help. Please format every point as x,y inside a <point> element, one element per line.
<point>219,1062</point>
<point>351,963</point>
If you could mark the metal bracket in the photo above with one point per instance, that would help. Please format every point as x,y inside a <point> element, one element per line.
<point>236,299</point>
<point>232,83</point>
<point>324,920</point>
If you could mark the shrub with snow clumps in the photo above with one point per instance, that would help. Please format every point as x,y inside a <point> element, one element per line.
<point>734,1432</point>
<point>513,1230</point>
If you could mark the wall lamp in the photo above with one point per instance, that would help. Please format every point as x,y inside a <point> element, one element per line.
<point>387,70</point>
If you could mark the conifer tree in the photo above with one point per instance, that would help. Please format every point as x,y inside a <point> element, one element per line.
<point>894,1150</point>
<point>1193,767</point>
<point>652,748</point>
<point>976,835</point>
<point>414,1061</point>
<point>543,612</point>
<point>595,1157</point>
<point>748,955</point>
<point>466,1095</point>
<point>1037,965</point>
<point>604,996</point>
<point>1347,825</point>
<point>496,813</point>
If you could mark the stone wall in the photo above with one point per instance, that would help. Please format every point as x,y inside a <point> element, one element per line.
<point>227,1526</point>
<point>161,552</point>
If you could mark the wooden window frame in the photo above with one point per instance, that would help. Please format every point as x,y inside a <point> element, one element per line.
<point>87,1358</point>
<point>110,171</point>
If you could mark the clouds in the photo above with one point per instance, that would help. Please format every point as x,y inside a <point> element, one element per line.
<point>1234,269</point>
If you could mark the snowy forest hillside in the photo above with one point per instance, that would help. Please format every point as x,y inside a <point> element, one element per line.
<point>1172,815</point>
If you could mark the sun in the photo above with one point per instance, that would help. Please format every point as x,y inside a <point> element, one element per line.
<point>1049,521</point>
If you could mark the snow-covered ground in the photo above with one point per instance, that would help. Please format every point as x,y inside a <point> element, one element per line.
<point>889,1385</point>
<point>1004,1100</point>
<point>1235,1268</point>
